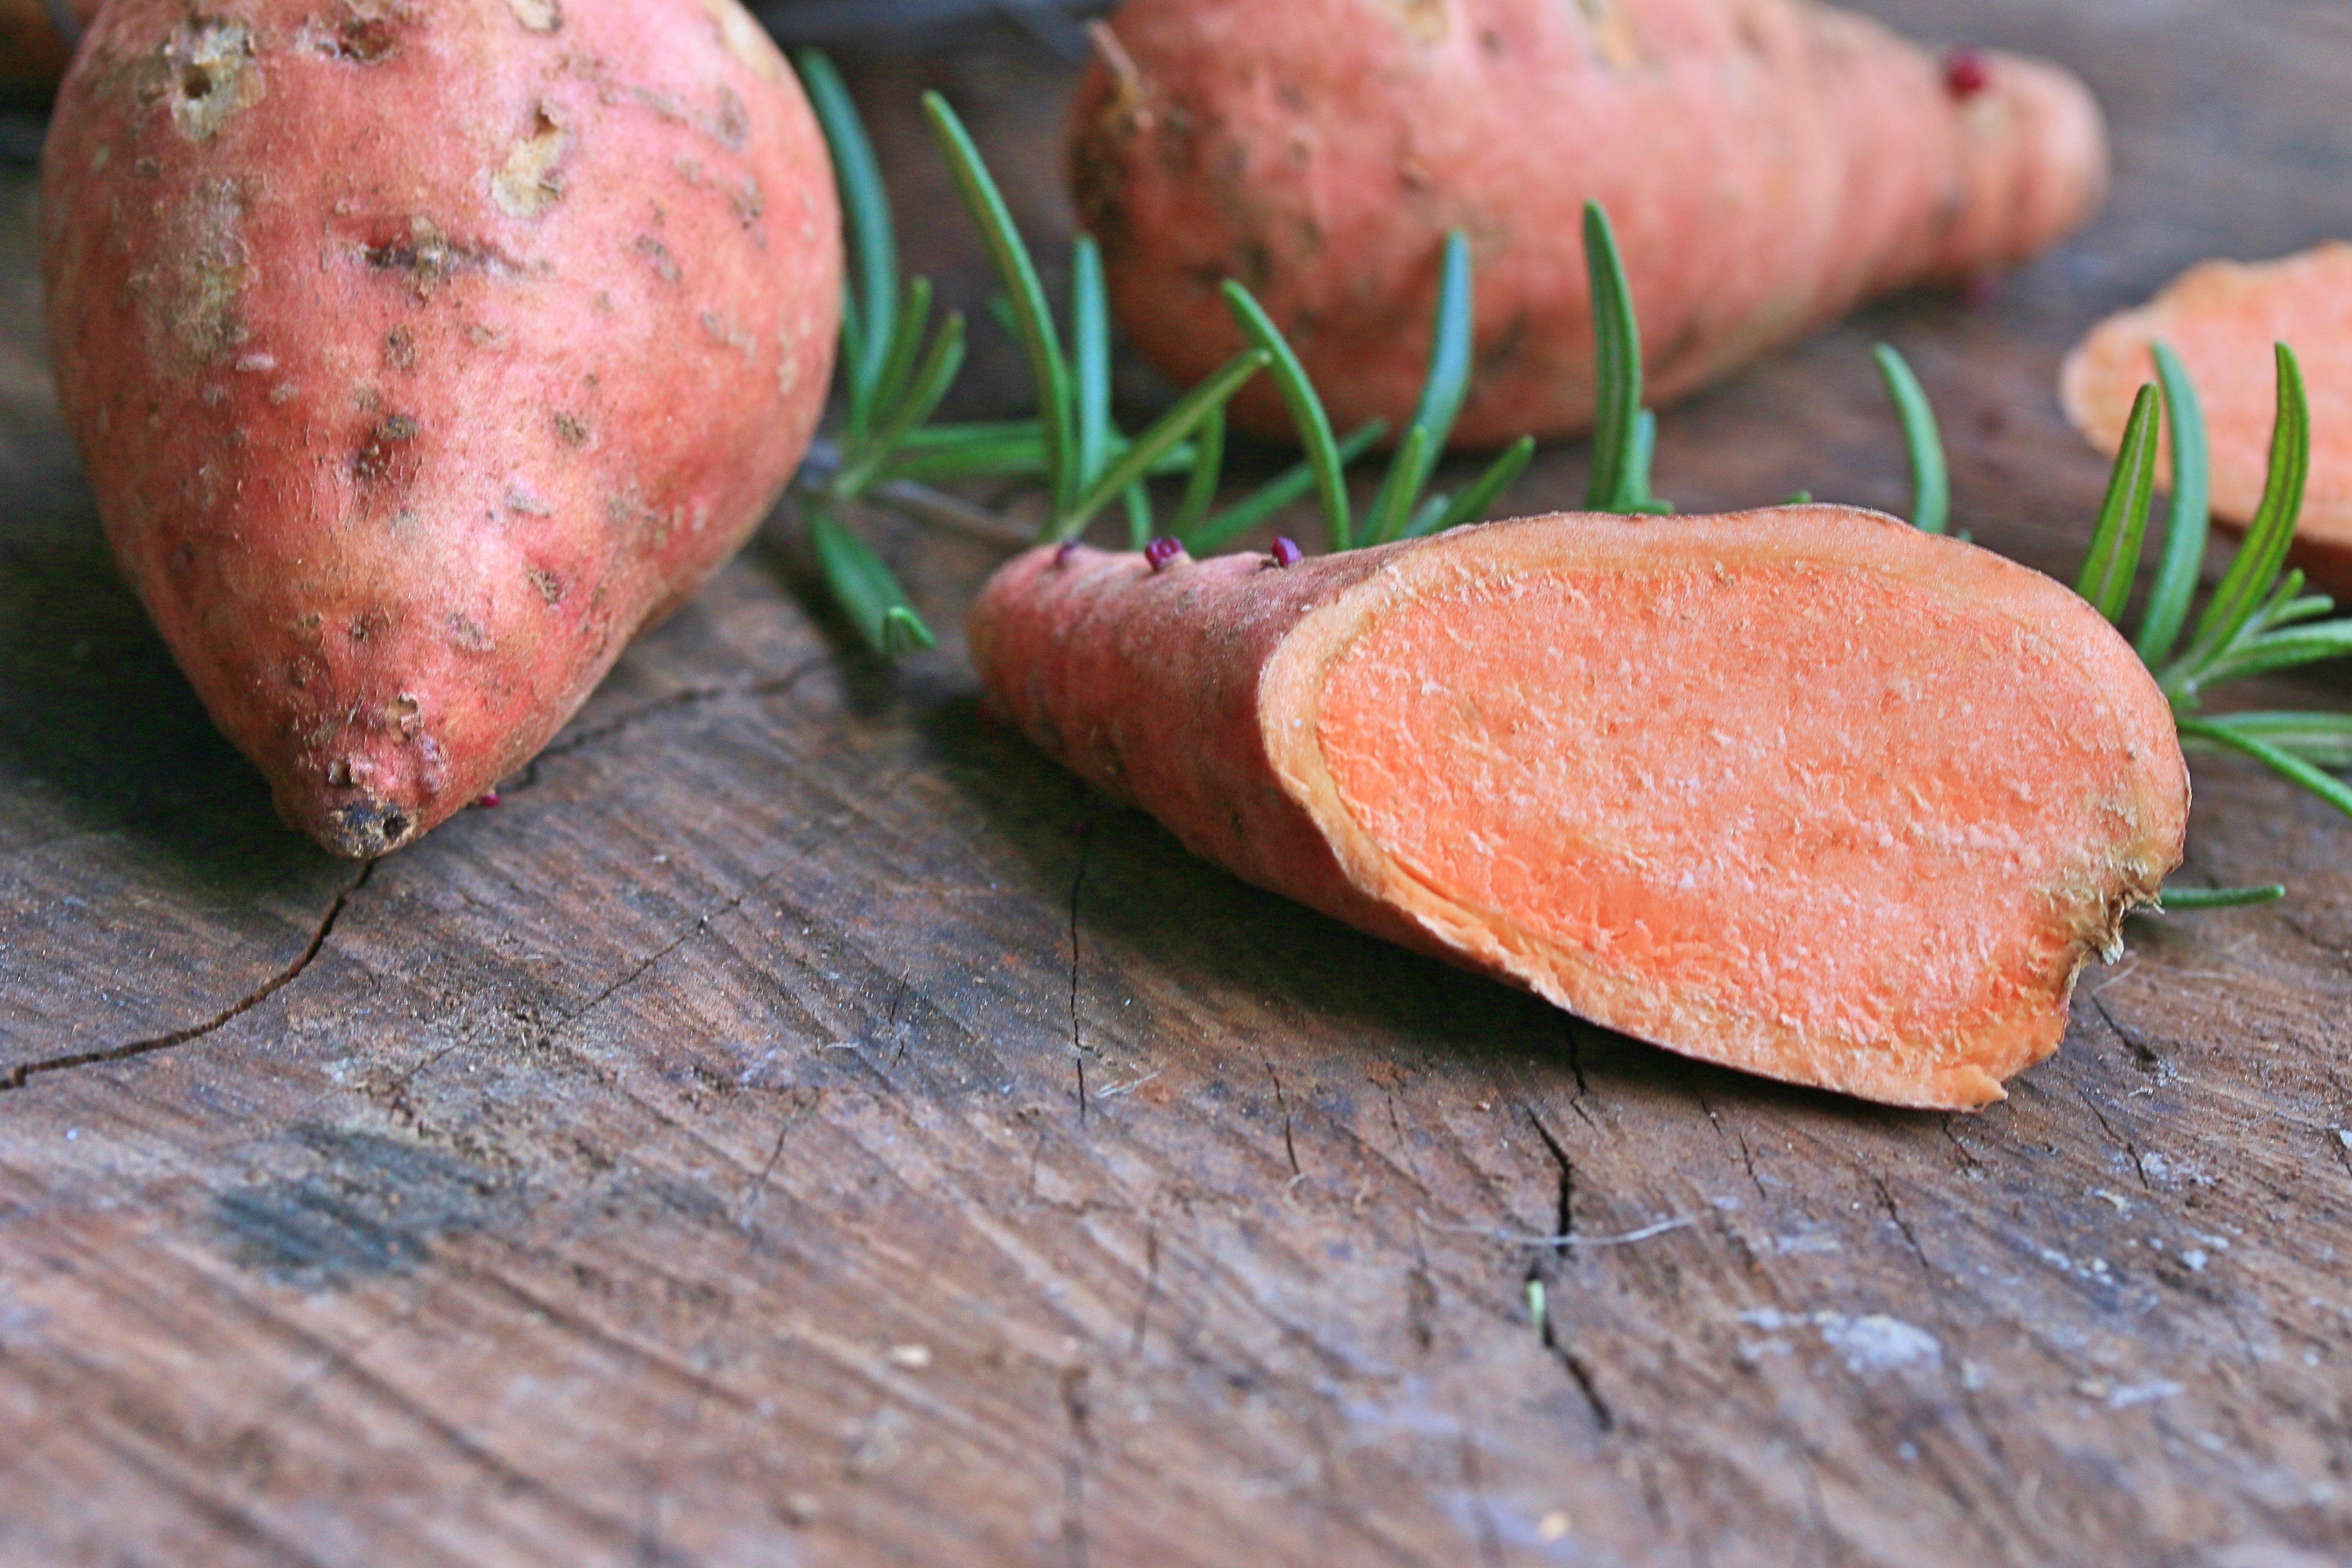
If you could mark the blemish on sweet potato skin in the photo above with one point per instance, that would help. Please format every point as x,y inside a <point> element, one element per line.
<point>352,327</point>
<point>532,180</point>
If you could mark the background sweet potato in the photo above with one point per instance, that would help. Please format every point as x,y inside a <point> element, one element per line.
<point>1769,164</point>
<point>33,50</point>
<point>420,356</point>
<point>2221,318</point>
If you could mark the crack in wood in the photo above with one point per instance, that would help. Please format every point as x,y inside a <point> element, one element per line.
<point>2143,1056</point>
<point>1077,885</point>
<point>25,1072</point>
<point>1559,1246</point>
<point>1282,1105</point>
<point>1968,1160</point>
<point>774,686</point>
<point>1746,1154</point>
<point>2139,1170</point>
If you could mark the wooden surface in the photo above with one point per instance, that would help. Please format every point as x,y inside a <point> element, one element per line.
<point>800,1127</point>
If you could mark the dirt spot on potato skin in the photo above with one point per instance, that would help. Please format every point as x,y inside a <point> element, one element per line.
<point>573,429</point>
<point>424,257</point>
<point>362,32</point>
<point>538,15</point>
<point>1423,20</point>
<point>658,255</point>
<point>745,39</point>
<point>386,456</point>
<point>190,300</point>
<point>207,72</point>
<point>533,178</point>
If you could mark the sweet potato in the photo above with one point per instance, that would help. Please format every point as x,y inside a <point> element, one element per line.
<point>1769,164</point>
<point>2221,318</point>
<point>1804,791</point>
<point>422,354</point>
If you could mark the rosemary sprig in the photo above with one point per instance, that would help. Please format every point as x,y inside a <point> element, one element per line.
<point>1931,481</point>
<point>1402,508</point>
<point>1307,414</point>
<point>892,382</point>
<point>1624,434</point>
<point>2258,620</point>
<point>1087,464</point>
<point>895,370</point>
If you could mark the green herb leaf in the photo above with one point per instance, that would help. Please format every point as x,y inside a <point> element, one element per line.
<point>1443,390</point>
<point>1931,480</point>
<point>2285,764</point>
<point>1090,357</point>
<point>1472,504</point>
<point>2115,540</point>
<point>931,436</point>
<point>2324,740</point>
<point>2218,897</point>
<point>931,384</point>
<point>867,589</point>
<point>903,632</point>
<point>2185,525</point>
<point>2263,551</point>
<point>1387,518</point>
<point>1425,516</point>
<point>1616,481</point>
<point>1645,449</point>
<point>1276,493</point>
<point>1018,271</point>
<point>873,239</point>
<point>914,321</point>
<point>1138,516</point>
<point>1306,412</point>
<point>1208,468</point>
<point>857,397</point>
<point>1002,457</point>
<point>2305,644</point>
<point>1172,427</point>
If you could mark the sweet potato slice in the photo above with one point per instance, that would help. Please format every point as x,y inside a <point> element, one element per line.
<point>1803,791</point>
<point>2221,318</point>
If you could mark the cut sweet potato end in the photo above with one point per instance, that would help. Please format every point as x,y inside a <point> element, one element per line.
<point>2221,318</point>
<point>1809,794</point>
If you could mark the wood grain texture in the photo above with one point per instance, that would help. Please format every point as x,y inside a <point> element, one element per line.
<point>801,1126</point>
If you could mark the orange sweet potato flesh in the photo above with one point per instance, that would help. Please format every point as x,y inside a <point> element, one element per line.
<point>1768,164</point>
<point>1803,791</point>
<point>2221,318</point>
<point>420,354</point>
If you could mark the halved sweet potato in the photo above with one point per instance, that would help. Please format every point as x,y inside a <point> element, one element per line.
<point>1804,791</point>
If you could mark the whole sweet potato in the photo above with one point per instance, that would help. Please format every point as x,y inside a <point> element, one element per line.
<point>1769,164</point>
<point>424,352</point>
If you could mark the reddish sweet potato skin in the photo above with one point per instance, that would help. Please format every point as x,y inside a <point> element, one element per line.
<point>1768,164</point>
<point>1184,692</point>
<point>421,354</point>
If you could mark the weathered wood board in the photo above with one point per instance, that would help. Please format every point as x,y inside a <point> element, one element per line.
<point>801,1126</point>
